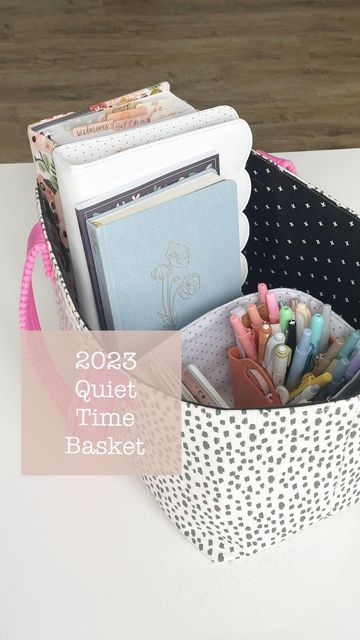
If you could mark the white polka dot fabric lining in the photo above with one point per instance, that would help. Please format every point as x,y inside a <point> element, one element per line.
<point>207,340</point>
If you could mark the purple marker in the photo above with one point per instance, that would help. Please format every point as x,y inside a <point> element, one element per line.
<point>353,367</point>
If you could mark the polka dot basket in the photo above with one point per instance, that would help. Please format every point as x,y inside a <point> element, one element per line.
<point>252,478</point>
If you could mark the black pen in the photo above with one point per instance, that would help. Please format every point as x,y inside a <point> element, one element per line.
<point>291,334</point>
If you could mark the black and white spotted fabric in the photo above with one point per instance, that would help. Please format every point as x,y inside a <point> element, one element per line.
<point>251,478</point>
<point>254,477</point>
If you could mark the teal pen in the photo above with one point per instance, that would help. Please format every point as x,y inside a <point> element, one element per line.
<point>349,345</point>
<point>337,379</point>
<point>338,373</point>
<point>286,315</point>
<point>316,326</point>
<point>310,359</point>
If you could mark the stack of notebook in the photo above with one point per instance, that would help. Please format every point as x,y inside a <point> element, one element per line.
<point>147,195</point>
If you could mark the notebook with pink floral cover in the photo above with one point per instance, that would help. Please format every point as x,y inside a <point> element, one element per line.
<point>42,148</point>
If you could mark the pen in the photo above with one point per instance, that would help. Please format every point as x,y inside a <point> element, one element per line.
<point>286,315</point>
<point>241,351</point>
<point>353,367</point>
<point>274,313</point>
<point>302,317</point>
<point>324,341</point>
<point>332,366</point>
<point>282,357</point>
<point>239,311</point>
<point>263,313</point>
<point>309,379</point>
<point>337,379</point>
<point>299,359</point>
<point>262,290</point>
<point>316,326</point>
<point>275,340</point>
<point>264,334</point>
<point>283,394</point>
<point>255,319</point>
<point>310,359</point>
<point>342,366</point>
<point>291,335</point>
<point>307,395</point>
<point>324,360</point>
<point>350,345</point>
<point>245,337</point>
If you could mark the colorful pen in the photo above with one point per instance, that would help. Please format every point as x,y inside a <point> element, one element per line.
<point>309,364</point>
<point>262,311</point>
<point>332,366</point>
<point>299,359</point>
<point>324,360</point>
<point>241,351</point>
<point>274,312</point>
<point>307,395</point>
<point>316,326</point>
<point>302,317</point>
<point>337,379</point>
<point>286,315</point>
<point>339,372</point>
<point>353,367</point>
<point>349,345</point>
<point>264,334</point>
<point>324,340</point>
<point>274,341</point>
<point>309,379</point>
<point>245,337</point>
<point>262,290</point>
<point>255,319</point>
<point>239,311</point>
<point>282,357</point>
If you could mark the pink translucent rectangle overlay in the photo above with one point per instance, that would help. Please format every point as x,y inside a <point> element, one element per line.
<point>101,403</point>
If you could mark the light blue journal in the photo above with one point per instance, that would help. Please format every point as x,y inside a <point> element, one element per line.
<point>163,267</point>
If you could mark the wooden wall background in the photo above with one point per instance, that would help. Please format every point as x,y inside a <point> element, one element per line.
<point>290,67</point>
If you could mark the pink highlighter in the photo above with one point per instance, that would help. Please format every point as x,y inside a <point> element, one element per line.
<point>262,291</point>
<point>245,338</point>
<point>274,311</point>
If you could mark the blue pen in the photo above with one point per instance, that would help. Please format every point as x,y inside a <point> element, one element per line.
<point>337,379</point>
<point>316,326</point>
<point>349,345</point>
<point>299,359</point>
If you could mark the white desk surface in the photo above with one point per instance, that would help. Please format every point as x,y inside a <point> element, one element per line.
<point>94,558</point>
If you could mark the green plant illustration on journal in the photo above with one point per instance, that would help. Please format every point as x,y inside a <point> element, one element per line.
<point>173,283</point>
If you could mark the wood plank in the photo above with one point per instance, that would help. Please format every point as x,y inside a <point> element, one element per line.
<point>290,68</point>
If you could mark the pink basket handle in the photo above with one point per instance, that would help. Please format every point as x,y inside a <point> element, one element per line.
<point>28,317</point>
<point>35,346</point>
<point>282,162</point>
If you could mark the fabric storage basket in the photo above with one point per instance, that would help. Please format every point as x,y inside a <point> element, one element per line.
<point>252,478</point>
